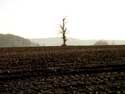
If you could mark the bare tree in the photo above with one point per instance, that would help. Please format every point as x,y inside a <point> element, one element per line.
<point>63,31</point>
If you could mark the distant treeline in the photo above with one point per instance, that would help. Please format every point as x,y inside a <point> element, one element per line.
<point>9,40</point>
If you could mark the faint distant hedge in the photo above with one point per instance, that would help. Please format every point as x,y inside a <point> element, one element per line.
<point>101,42</point>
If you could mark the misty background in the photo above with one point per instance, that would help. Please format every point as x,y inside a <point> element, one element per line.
<point>38,21</point>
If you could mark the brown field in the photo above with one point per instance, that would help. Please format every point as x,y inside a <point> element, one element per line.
<point>63,70</point>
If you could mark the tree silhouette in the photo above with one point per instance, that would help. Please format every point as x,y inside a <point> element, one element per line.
<point>63,31</point>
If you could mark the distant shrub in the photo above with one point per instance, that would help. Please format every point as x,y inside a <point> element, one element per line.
<point>101,42</point>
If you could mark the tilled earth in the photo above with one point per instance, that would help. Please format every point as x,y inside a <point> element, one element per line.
<point>95,83</point>
<point>72,70</point>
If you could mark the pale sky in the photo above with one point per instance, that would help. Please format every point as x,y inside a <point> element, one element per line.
<point>86,19</point>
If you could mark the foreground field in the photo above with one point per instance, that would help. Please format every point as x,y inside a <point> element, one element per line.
<point>99,83</point>
<point>62,70</point>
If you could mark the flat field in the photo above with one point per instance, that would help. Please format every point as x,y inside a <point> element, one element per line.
<point>63,70</point>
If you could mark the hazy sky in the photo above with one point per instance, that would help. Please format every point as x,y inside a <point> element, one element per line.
<point>86,19</point>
